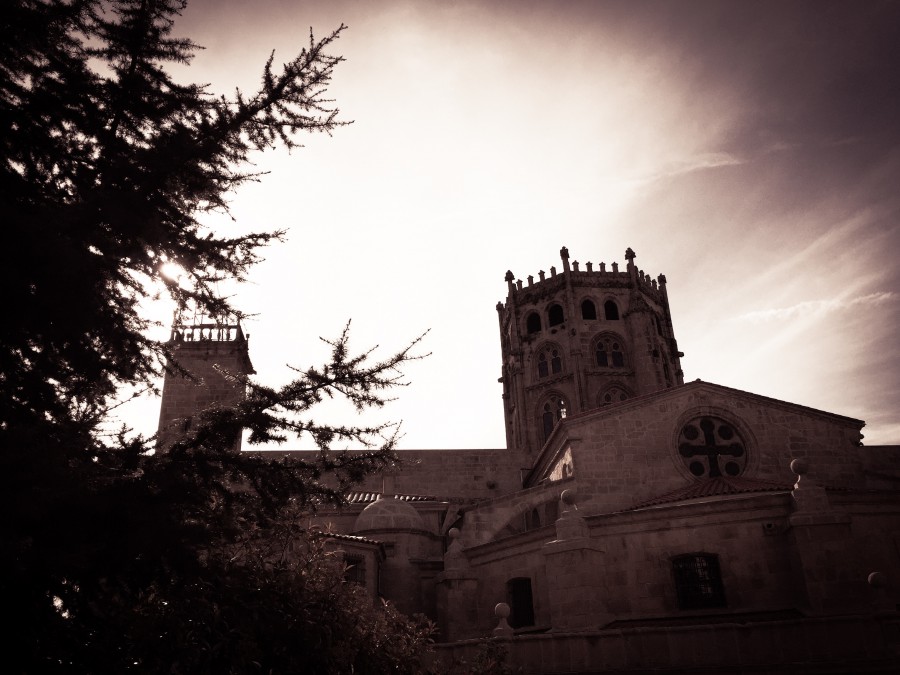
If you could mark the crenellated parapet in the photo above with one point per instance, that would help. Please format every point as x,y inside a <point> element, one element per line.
<point>208,332</point>
<point>601,275</point>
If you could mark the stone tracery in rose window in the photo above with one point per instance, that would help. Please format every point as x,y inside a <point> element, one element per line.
<point>711,447</point>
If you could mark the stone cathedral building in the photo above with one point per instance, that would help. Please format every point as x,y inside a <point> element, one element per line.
<point>634,523</point>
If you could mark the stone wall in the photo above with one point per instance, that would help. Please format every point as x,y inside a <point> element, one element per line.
<point>850,644</point>
<point>628,454</point>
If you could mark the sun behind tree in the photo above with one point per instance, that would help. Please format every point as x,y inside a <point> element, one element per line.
<point>114,559</point>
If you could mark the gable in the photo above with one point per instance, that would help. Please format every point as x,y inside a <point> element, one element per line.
<point>628,453</point>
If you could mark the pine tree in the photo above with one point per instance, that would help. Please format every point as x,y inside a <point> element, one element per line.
<point>109,162</point>
<point>113,558</point>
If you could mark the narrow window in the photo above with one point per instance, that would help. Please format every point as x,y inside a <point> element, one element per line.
<point>698,581</point>
<point>547,420</point>
<point>618,358</point>
<point>533,323</point>
<point>611,310</point>
<point>552,412</point>
<point>602,356</point>
<point>555,361</point>
<point>555,314</point>
<point>588,311</point>
<point>543,370</point>
<point>521,602</point>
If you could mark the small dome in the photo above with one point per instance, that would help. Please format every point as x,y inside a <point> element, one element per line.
<point>388,513</point>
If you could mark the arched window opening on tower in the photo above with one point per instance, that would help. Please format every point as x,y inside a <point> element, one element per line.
<point>609,353</point>
<point>549,362</point>
<point>613,395</point>
<point>555,314</point>
<point>533,323</point>
<point>521,602</point>
<point>588,311</point>
<point>698,581</point>
<point>553,411</point>
<point>611,310</point>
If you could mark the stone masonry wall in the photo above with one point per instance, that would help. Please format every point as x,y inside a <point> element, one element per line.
<point>628,454</point>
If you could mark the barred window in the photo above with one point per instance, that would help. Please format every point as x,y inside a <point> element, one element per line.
<point>698,581</point>
<point>355,569</point>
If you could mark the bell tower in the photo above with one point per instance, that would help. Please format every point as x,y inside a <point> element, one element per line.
<point>579,339</point>
<point>214,358</point>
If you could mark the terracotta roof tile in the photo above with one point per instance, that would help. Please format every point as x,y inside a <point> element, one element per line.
<point>369,497</point>
<point>715,487</point>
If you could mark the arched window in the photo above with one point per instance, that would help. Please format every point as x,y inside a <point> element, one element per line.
<point>609,352</point>
<point>553,411</point>
<point>555,315</point>
<point>698,581</point>
<point>588,311</point>
<point>533,323</point>
<point>613,395</point>
<point>618,356</point>
<point>611,310</point>
<point>521,602</point>
<point>549,361</point>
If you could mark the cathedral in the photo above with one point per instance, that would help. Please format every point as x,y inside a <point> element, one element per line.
<point>634,523</point>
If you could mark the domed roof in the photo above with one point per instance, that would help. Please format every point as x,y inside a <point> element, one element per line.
<point>388,513</point>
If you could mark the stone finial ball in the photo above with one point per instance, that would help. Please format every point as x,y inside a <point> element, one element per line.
<point>877,580</point>
<point>799,466</point>
<point>453,533</point>
<point>568,497</point>
<point>501,610</point>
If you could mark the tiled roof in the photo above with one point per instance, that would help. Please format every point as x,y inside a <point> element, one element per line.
<point>716,487</point>
<point>369,497</point>
<point>348,537</point>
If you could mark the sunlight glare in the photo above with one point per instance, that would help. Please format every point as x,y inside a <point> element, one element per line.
<point>172,271</point>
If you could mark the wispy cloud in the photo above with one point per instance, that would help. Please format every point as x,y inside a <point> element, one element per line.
<point>816,308</point>
<point>699,162</point>
<point>706,160</point>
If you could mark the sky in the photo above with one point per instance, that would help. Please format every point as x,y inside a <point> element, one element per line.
<point>749,151</point>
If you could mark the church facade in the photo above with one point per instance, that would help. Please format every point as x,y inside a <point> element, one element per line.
<point>634,522</point>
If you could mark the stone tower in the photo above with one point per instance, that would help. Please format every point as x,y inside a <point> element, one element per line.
<point>210,352</point>
<point>580,339</point>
